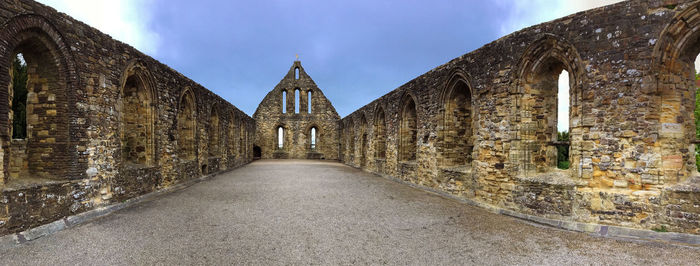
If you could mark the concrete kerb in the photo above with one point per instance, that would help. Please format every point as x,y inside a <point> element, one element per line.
<point>16,239</point>
<point>599,230</point>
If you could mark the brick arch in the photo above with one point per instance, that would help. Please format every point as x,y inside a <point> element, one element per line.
<point>672,70</point>
<point>535,104</point>
<point>138,112</point>
<point>45,48</point>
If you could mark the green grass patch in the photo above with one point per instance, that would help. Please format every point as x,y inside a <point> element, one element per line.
<point>661,229</point>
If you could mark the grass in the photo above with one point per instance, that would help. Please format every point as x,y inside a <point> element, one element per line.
<point>563,165</point>
<point>661,229</point>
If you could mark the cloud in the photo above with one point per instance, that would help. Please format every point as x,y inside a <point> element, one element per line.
<point>523,14</point>
<point>124,20</point>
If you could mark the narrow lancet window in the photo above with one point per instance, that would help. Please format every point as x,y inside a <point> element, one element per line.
<point>280,137</point>
<point>19,97</point>
<point>313,138</point>
<point>308,102</point>
<point>563,104</point>
<point>284,102</point>
<point>296,73</point>
<point>297,99</point>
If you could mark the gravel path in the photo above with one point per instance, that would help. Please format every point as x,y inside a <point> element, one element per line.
<point>313,212</point>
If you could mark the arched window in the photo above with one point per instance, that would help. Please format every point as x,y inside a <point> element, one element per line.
<point>457,132</point>
<point>214,132</point>
<point>37,108</point>
<point>296,73</point>
<point>240,138</point>
<point>363,141</point>
<point>136,120</point>
<point>350,133</point>
<point>280,137</point>
<point>186,126</point>
<point>408,133</point>
<point>540,113</point>
<point>563,106</point>
<point>308,102</point>
<point>297,100</point>
<point>19,97</point>
<point>313,138</point>
<point>231,139</point>
<point>380,134</point>
<point>284,101</point>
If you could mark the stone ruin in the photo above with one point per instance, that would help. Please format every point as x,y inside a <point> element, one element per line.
<point>106,123</point>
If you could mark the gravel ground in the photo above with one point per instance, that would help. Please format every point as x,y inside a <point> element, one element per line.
<point>313,212</point>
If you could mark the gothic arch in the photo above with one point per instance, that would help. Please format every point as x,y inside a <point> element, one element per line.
<point>408,128</point>
<point>457,121</point>
<point>137,112</point>
<point>535,103</point>
<point>187,124</point>
<point>214,131</point>
<point>673,73</point>
<point>379,130</point>
<point>46,52</point>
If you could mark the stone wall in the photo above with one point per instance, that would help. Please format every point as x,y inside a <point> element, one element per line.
<point>105,121</point>
<point>485,122</point>
<point>277,110</point>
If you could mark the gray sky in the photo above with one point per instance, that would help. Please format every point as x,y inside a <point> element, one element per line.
<point>355,50</point>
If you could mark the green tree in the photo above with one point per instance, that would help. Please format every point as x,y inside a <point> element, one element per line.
<point>563,151</point>
<point>19,99</point>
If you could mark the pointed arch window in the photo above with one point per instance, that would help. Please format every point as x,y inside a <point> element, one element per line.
<point>297,100</point>
<point>312,139</point>
<point>408,132</point>
<point>280,137</point>
<point>457,134</point>
<point>186,126</point>
<point>137,121</point>
<point>308,102</point>
<point>380,135</point>
<point>284,101</point>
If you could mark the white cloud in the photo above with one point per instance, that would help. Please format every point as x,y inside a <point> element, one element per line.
<point>527,13</point>
<point>124,20</point>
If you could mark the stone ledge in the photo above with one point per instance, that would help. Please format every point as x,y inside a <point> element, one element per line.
<point>554,178</point>
<point>690,185</point>
<point>16,239</point>
<point>593,229</point>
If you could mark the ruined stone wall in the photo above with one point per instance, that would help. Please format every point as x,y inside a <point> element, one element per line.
<point>631,120</point>
<point>103,121</point>
<point>275,112</point>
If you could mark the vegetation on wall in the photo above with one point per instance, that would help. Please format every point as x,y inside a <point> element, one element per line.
<point>563,151</point>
